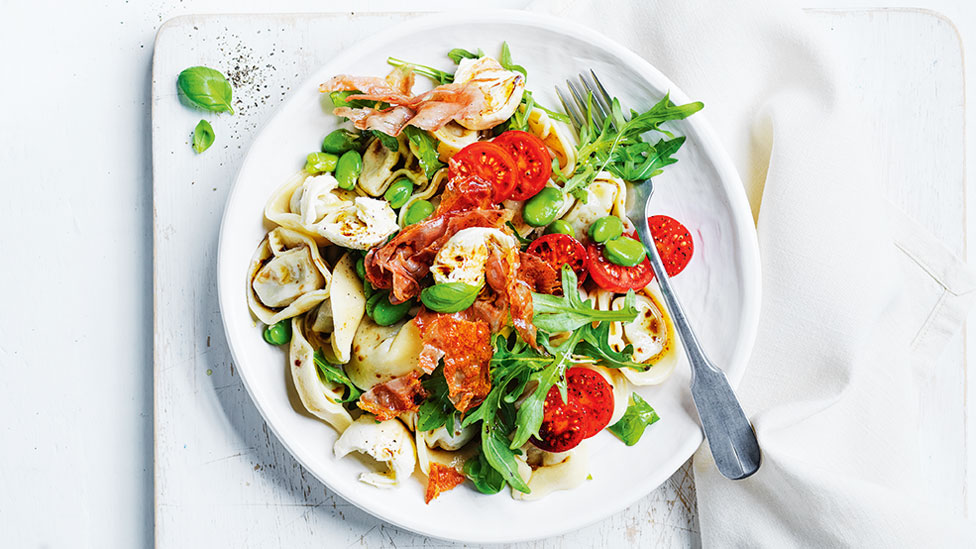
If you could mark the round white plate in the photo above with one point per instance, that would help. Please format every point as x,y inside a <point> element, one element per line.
<point>719,289</point>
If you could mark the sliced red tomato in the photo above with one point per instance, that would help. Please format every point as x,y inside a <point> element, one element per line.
<point>533,164</point>
<point>673,242</point>
<point>561,249</point>
<point>594,395</point>
<point>585,412</point>
<point>488,162</point>
<point>617,278</point>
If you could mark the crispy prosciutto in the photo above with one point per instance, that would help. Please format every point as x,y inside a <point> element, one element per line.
<point>483,95</point>
<point>539,274</point>
<point>501,274</point>
<point>465,346</point>
<point>465,193</point>
<point>441,478</point>
<point>401,263</point>
<point>390,399</point>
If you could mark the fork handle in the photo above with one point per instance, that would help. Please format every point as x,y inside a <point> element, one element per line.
<point>730,435</point>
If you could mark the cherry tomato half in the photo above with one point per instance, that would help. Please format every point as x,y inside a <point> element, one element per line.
<point>561,249</point>
<point>616,278</point>
<point>488,162</point>
<point>673,242</point>
<point>533,164</point>
<point>585,412</point>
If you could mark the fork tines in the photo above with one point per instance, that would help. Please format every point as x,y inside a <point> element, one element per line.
<point>589,86</point>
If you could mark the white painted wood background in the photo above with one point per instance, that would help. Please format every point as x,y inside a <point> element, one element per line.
<point>222,479</point>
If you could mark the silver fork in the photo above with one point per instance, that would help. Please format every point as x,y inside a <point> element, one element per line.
<point>729,433</point>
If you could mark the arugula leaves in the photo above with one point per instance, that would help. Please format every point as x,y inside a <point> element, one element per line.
<point>203,136</point>
<point>388,141</point>
<point>425,147</point>
<point>484,477</point>
<point>457,54</point>
<point>638,416</point>
<point>617,146</point>
<point>335,374</point>
<point>505,60</point>
<point>206,88</point>
<point>437,75</point>
<point>568,312</point>
<point>437,409</point>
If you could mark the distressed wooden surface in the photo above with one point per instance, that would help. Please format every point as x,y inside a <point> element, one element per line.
<point>222,479</point>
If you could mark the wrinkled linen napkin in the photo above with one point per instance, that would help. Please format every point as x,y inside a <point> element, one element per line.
<point>843,326</point>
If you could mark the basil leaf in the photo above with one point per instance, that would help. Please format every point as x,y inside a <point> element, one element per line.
<point>484,477</point>
<point>457,54</point>
<point>425,149</point>
<point>335,374</point>
<point>388,141</point>
<point>638,416</point>
<point>203,136</point>
<point>555,314</point>
<point>449,297</point>
<point>206,88</point>
<point>437,409</point>
<point>494,447</point>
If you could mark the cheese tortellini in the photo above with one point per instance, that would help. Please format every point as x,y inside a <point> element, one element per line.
<point>451,138</point>
<point>316,206</point>
<point>341,313</point>
<point>557,136</point>
<point>381,166</point>
<point>605,195</point>
<point>388,442</point>
<point>320,396</point>
<point>547,472</point>
<point>287,276</point>
<point>381,353</point>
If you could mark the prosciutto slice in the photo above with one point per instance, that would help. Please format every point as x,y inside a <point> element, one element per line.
<point>390,399</point>
<point>465,346</point>
<point>400,264</point>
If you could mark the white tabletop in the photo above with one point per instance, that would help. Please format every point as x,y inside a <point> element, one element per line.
<point>76,333</point>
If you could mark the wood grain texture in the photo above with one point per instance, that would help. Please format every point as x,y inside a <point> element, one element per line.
<point>222,479</point>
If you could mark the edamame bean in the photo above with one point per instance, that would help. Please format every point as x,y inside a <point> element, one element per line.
<point>361,268</point>
<point>541,209</point>
<point>399,192</point>
<point>340,141</point>
<point>624,251</point>
<point>606,228</point>
<point>278,334</point>
<point>348,169</point>
<point>386,313</point>
<point>316,163</point>
<point>560,227</point>
<point>418,211</point>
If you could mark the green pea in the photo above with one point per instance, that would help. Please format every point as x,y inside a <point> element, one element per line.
<point>340,141</point>
<point>399,192</point>
<point>418,211</point>
<point>278,334</point>
<point>348,169</point>
<point>606,228</point>
<point>316,163</point>
<point>386,313</point>
<point>624,251</point>
<point>541,209</point>
<point>560,227</point>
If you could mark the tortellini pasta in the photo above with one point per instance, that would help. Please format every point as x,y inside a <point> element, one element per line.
<point>316,206</point>
<point>381,167</point>
<point>651,334</point>
<point>319,396</point>
<point>443,446</point>
<point>547,472</point>
<point>557,136</point>
<point>605,195</point>
<point>341,313</point>
<point>451,138</point>
<point>381,353</point>
<point>287,276</point>
<point>388,442</point>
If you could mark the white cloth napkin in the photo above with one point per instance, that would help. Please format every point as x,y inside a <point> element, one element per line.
<point>830,385</point>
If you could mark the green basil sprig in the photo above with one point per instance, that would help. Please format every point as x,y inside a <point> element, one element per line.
<point>206,88</point>
<point>638,416</point>
<point>449,297</point>
<point>203,136</point>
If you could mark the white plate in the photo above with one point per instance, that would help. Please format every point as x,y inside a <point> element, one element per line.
<point>719,289</point>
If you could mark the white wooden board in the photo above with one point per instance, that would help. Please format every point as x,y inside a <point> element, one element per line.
<point>221,478</point>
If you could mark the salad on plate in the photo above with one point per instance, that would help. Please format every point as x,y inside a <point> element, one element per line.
<point>457,283</point>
